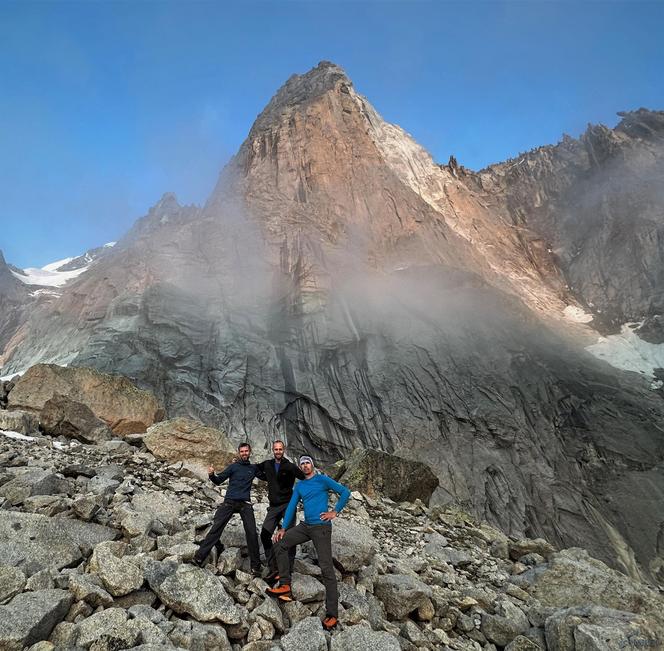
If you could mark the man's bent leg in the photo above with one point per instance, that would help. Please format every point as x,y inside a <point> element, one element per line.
<point>221,518</point>
<point>321,535</point>
<point>271,522</point>
<point>249,522</point>
<point>294,536</point>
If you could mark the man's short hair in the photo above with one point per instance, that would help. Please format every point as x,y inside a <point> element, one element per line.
<point>278,441</point>
<point>243,445</point>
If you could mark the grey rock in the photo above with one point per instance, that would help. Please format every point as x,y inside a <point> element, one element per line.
<point>42,580</point>
<point>62,416</point>
<point>89,588</point>
<point>270,612</point>
<point>87,506</point>
<point>573,578</point>
<point>47,504</point>
<point>12,581</point>
<point>188,589</point>
<point>23,422</point>
<point>100,485</point>
<point>508,622</point>
<point>522,643</point>
<point>108,630</point>
<point>353,544</point>
<point>401,594</point>
<point>30,617</point>
<point>36,542</point>
<point>33,482</point>
<point>120,575</point>
<point>377,473</point>
<point>307,588</point>
<point>586,627</point>
<point>194,635</point>
<point>306,635</point>
<point>355,638</point>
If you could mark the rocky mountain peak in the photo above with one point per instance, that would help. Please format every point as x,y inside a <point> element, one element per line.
<point>300,90</point>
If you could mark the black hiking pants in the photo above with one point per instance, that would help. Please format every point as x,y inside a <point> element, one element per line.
<point>272,520</point>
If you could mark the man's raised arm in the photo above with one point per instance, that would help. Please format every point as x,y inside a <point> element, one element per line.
<point>219,478</point>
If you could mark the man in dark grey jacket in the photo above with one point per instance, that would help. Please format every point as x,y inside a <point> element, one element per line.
<point>240,476</point>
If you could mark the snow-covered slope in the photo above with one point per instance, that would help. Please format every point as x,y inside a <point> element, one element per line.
<point>56,274</point>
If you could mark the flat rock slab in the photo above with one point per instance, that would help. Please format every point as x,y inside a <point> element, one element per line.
<point>191,590</point>
<point>306,635</point>
<point>34,542</point>
<point>31,616</point>
<point>355,638</point>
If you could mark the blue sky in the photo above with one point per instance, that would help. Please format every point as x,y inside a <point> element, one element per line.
<point>105,106</point>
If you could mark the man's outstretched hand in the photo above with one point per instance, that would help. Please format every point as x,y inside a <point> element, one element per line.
<point>278,535</point>
<point>210,470</point>
<point>328,515</point>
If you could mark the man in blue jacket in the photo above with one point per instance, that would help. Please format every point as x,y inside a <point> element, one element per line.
<point>313,491</point>
<point>240,475</point>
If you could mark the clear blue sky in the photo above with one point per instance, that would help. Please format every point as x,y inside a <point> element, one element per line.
<point>104,106</point>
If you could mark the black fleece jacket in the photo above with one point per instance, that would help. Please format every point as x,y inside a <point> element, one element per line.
<point>279,485</point>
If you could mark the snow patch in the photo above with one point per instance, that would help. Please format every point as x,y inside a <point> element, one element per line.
<point>54,266</point>
<point>108,245</point>
<point>6,378</point>
<point>17,435</point>
<point>48,277</point>
<point>576,314</point>
<point>629,352</point>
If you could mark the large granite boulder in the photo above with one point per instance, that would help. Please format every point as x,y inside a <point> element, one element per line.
<point>109,627</point>
<point>573,578</point>
<point>62,416</point>
<point>377,473</point>
<point>184,439</point>
<point>31,616</point>
<point>593,628</point>
<point>113,398</point>
<point>191,590</point>
<point>353,544</point>
<point>18,420</point>
<point>34,542</point>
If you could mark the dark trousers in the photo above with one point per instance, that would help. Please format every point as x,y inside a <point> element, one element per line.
<point>221,518</point>
<point>272,520</point>
<point>321,536</point>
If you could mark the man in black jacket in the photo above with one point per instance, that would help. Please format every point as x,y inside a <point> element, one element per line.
<point>280,474</point>
<point>240,475</point>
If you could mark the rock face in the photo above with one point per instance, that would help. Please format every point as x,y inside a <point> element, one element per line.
<point>114,399</point>
<point>339,290</point>
<point>374,472</point>
<point>184,439</point>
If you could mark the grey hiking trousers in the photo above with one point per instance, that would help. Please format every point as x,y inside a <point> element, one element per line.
<point>321,536</point>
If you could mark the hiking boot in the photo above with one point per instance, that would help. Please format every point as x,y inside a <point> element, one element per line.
<point>281,592</point>
<point>272,578</point>
<point>197,562</point>
<point>257,571</point>
<point>330,622</point>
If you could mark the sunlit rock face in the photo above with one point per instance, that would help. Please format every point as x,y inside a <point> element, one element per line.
<point>340,290</point>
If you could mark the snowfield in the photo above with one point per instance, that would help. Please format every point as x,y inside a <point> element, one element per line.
<point>629,352</point>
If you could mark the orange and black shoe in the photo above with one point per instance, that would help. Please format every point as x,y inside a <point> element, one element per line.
<point>281,592</point>
<point>272,578</point>
<point>330,622</point>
